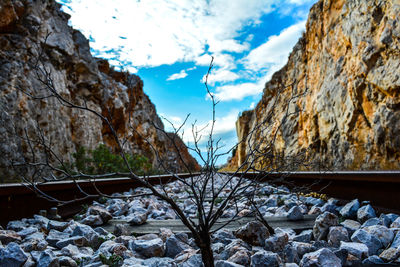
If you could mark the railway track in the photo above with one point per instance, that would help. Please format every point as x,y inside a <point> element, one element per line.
<point>381,188</point>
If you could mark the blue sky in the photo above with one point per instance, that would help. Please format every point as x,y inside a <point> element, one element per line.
<point>169,44</point>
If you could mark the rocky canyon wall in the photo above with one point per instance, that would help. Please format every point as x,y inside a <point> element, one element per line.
<point>77,76</point>
<point>338,97</point>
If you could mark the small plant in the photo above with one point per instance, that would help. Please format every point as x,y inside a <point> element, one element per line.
<point>218,200</point>
<point>112,261</point>
<point>102,200</point>
<point>85,208</point>
<point>102,160</point>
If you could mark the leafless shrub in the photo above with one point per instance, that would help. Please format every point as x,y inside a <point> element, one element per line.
<point>224,190</point>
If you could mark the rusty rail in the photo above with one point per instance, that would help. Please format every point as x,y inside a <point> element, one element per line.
<point>20,201</point>
<point>382,188</point>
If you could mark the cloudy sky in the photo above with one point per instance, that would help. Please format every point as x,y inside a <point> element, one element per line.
<point>169,44</point>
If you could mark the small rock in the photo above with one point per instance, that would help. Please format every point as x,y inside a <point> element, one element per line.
<point>29,262</point>
<point>395,223</point>
<point>337,234</point>
<point>102,212</point>
<point>192,261</point>
<point>351,226</point>
<point>301,248</point>
<point>276,242</point>
<point>304,236</point>
<point>148,248</point>
<point>67,261</point>
<point>295,214</point>
<point>365,212</point>
<point>390,254</point>
<point>217,247</point>
<point>290,254</point>
<point>396,241</point>
<point>312,201</point>
<point>12,255</point>
<point>372,221</point>
<point>223,236</point>
<point>318,244</point>
<point>384,234</point>
<point>350,209</point>
<point>315,210</point>
<point>34,244</point>
<point>265,259</point>
<point>253,233</point>
<point>92,220</point>
<point>352,260</point>
<point>330,207</point>
<point>54,236</point>
<point>322,224</point>
<point>372,242</point>
<point>88,233</point>
<point>147,237</point>
<point>357,249</point>
<point>176,244</point>
<point>16,226</point>
<point>124,239</point>
<point>372,261</point>
<point>392,217</point>
<point>159,262</point>
<point>281,212</point>
<point>7,236</point>
<point>342,255</point>
<point>56,225</point>
<point>101,231</point>
<point>235,246</point>
<point>241,257</point>
<point>121,229</point>
<point>132,262</point>
<point>79,241</point>
<point>385,220</point>
<point>47,259</point>
<point>137,218</point>
<point>222,263</point>
<point>323,258</point>
<point>164,233</point>
<point>27,231</point>
<point>42,221</point>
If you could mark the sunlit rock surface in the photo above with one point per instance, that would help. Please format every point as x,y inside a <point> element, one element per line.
<point>76,75</point>
<point>345,74</point>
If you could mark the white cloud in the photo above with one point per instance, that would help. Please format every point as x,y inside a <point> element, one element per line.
<point>237,91</point>
<point>221,75</point>
<point>223,125</point>
<point>180,75</point>
<point>264,60</point>
<point>300,2</point>
<point>276,50</point>
<point>153,33</point>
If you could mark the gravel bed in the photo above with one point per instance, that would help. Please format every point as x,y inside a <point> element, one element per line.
<point>349,235</point>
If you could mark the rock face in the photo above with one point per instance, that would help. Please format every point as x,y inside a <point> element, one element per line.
<point>77,76</point>
<point>341,103</point>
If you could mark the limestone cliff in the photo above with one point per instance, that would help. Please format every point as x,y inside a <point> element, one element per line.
<point>338,97</point>
<point>77,76</point>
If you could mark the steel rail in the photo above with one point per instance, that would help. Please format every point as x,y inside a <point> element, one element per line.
<point>19,200</point>
<point>382,188</point>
